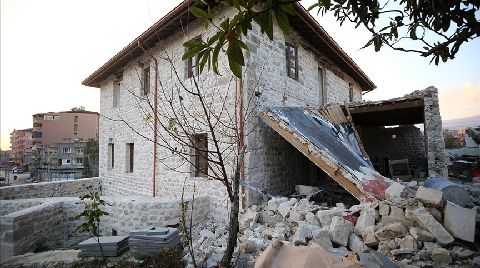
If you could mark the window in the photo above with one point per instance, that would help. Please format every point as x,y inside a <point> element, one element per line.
<point>146,80</point>
<point>78,150</point>
<point>191,69</point>
<point>130,155</point>
<point>116,93</point>
<point>321,85</point>
<point>75,127</point>
<point>292,61</point>
<point>200,155</point>
<point>75,120</point>
<point>111,155</point>
<point>64,161</point>
<point>78,161</point>
<point>350,92</point>
<point>67,150</point>
<point>50,117</point>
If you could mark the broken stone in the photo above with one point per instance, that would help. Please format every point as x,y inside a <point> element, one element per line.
<point>326,216</point>
<point>340,230</point>
<point>392,219</point>
<point>206,233</point>
<point>273,203</point>
<point>408,242</point>
<point>421,235</point>
<point>394,190</point>
<point>441,256</point>
<point>384,209</point>
<point>311,218</point>
<point>476,261</point>
<point>396,212</point>
<point>322,237</point>
<point>302,235</point>
<point>401,251</point>
<point>435,213</point>
<point>460,221</point>
<point>292,201</point>
<point>356,244</point>
<point>430,245</point>
<point>306,190</point>
<point>391,230</point>
<point>295,216</point>
<point>412,184</point>
<point>428,222</point>
<point>366,219</point>
<point>462,253</point>
<point>340,205</point>
<point>248,246</point>
<point>284,209</point>
<point>430,196</point>
<point>368,236</point>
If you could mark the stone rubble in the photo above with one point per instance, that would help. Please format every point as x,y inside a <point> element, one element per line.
<point>413,229</point>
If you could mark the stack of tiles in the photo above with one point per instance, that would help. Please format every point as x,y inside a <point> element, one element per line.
<point>149,241</point>
<point>111,246</point>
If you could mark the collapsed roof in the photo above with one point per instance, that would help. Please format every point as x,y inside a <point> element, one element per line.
<point>330,141</point>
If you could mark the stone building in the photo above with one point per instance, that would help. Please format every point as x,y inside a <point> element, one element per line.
<point>319,72</point>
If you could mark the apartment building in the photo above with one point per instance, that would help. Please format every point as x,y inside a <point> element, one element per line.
<point>21,148</point>
<point>59,139</point>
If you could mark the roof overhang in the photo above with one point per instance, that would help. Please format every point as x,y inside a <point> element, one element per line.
<point>180,16</point>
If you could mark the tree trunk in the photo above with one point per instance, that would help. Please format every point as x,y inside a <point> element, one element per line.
<point>233,224</point>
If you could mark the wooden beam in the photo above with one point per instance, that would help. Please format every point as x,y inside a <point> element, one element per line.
<point>414,103</point>
<point>336,172</point>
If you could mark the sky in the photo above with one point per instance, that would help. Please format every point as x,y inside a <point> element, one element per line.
<point>48,47</point>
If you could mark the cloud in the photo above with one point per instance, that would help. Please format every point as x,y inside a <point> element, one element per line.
<point>459,102</point>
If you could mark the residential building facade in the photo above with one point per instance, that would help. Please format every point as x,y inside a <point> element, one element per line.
<point>305,68</point>
<point>59,140</point>
<point>21,148</point>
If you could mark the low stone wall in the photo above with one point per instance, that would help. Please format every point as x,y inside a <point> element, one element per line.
<point>51,223</point>
<point>16,205</point>
<point>50,189</point>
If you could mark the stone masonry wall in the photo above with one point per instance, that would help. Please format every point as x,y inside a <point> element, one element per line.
<point>50,189</point>
<point>268,155</point>
<point>408,143</point>
<point>52,222</point>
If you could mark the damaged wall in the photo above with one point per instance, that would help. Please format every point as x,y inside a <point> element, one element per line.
<point>379,142</point>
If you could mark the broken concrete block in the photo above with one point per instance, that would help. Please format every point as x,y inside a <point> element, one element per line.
<point>392,219</point>
<point>441,256</point>
<point>356,244</point>
<point>366,219</point>
<point>368,236</point>
<point>436,213</point>
<point>273,203</point>
<point>325,216</point>
<point>302,235</point>
<point>340,230</point>
<point>408,242</point>
<point>384,209</point>
<point>206,233</point>
<point>391,230</point>
<point>311,218</point>
<point>430,196</point>
<point>284,209</point>
<point>394,190</point>
<point>412,184</point>
<point>322,237</point>
<point>428,222</point>
<point>460,222</point>
<point>421,235</point>
<point>401,251</point>
<point>248,246</point>
<point>249,217</point>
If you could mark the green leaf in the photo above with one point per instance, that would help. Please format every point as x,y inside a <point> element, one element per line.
<point>234,53</point>
<point>236,69</point>
<point>191,52</point>
<point>198,12</point>
<point>282,20</point>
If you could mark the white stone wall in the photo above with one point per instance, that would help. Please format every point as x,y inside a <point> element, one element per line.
<point>50,222</point>
<point>50,189</point>
<point>264,73</point>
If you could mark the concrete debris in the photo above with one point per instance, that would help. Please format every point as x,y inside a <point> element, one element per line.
<point>441,256</point>
<point>305,190</point>
<point>302,235</point>
<point>325,216</point>
<point>430,196</point>
<point>421,235</point>
<point>322,237</point>
<point>356,244</point>
<point>460,222</point>
<point>284,209</point>
<point>391,230</point>
<point>428,222</point>
<point>394,190</point>
<point>340,231</point>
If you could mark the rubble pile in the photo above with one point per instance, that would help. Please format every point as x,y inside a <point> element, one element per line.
<point>414,226</point>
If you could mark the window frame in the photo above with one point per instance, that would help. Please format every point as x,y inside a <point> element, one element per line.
<point>146,80</point>
<point>111,156</point>
<point>116,94</point>
<point>288,60</point>
<point>350,92</point>
<point>200,154</point>
<point>130,157</point>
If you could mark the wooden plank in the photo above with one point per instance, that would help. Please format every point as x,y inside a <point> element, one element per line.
<point>405,104</point>
<point>333,172</point>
